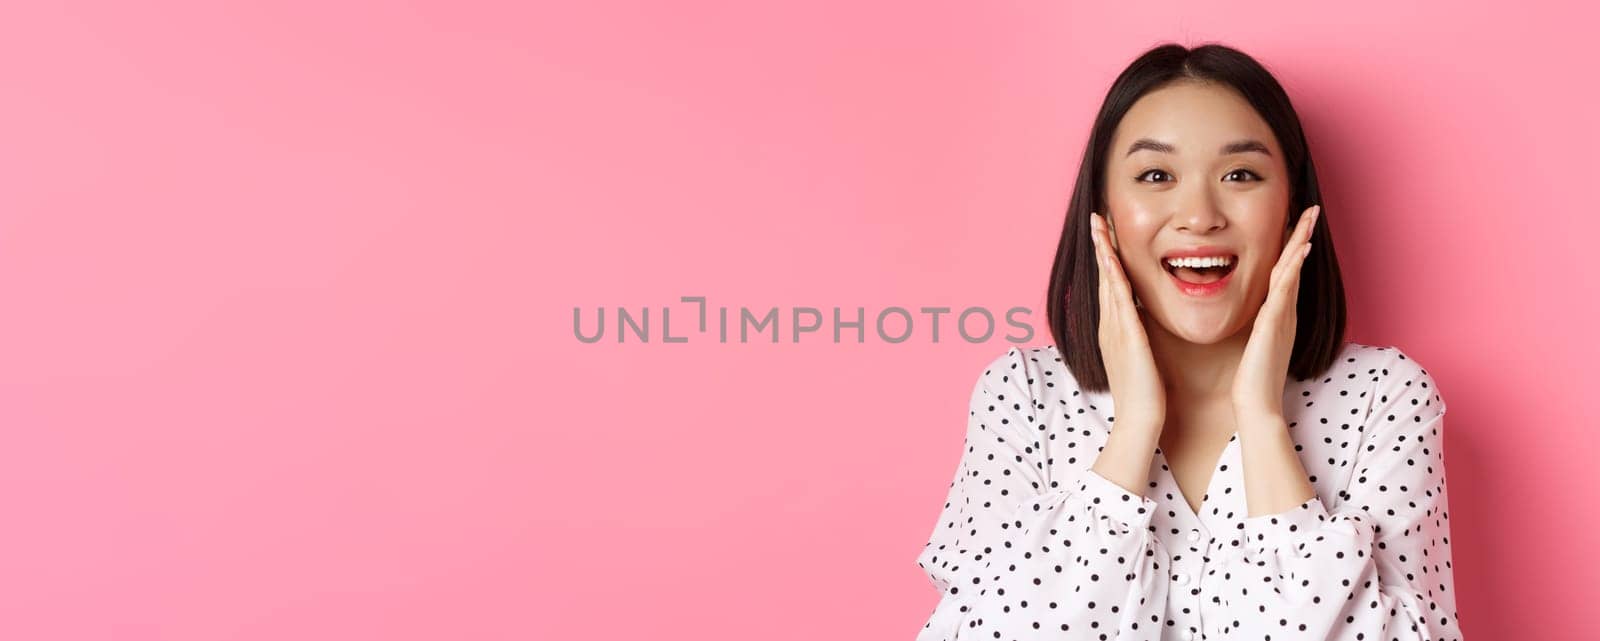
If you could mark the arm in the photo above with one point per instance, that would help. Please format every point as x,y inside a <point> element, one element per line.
<point>1378,566</point>
<point>1018,554</point>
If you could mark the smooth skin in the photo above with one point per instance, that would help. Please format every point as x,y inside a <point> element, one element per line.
<point>1186,374</point>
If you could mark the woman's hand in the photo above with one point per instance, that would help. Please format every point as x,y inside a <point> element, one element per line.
<point>1263,371</point>
<point>1136,389</point>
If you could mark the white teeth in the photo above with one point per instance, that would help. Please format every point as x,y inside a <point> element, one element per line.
<point>1209,261</point>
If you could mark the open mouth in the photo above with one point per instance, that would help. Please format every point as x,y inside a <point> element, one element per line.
<point>1201,274</point>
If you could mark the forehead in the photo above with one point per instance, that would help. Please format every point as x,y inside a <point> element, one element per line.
<point>1198,118</point>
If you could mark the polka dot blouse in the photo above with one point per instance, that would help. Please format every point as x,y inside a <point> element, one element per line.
<point>1034,544</point>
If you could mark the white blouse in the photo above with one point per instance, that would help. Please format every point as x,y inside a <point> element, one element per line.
<point>1033,544</point>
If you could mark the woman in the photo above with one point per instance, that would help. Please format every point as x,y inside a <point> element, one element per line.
<point>1194,278</point>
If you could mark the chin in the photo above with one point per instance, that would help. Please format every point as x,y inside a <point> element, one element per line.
<point>1201,327</point>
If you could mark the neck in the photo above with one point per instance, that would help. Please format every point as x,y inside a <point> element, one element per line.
<point>1195,372</point>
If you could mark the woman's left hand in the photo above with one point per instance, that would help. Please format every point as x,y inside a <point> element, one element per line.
<point>1263,371</point>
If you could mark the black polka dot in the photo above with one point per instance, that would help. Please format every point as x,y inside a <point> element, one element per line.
<point>1028,522</point>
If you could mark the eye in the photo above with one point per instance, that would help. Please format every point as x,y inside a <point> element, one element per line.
<point>1147,172</point>
<point>1253,175</point>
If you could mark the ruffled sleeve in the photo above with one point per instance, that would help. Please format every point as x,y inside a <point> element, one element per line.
<point>1016,553</point>
<point>1376,566</point>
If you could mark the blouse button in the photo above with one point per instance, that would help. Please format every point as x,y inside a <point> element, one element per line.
<point>1188,635</point>
<point>1180,578</point>
<point>1194,535</point>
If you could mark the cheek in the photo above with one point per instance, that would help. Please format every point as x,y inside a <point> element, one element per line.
<point>1135,232</point>
<point>1266,245</point>
<point>1133,205</point>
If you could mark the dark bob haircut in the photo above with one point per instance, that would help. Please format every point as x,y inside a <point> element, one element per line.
<point>1073,303</point>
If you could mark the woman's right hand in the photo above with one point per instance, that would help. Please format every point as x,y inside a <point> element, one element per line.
<point>1140,399</point>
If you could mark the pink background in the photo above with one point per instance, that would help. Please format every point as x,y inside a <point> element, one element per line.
<point>288,349</point>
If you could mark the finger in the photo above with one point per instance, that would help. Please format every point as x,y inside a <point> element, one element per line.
<point>1115,304</point>
<point>1103,286</point>
<point>1121,289</point>
<point>1099,258</point>
<point>1304,227</point>
<point>1309,220</point>
<point>1299,267</point>
<point>1298,240</point>
<point>1287,291</point>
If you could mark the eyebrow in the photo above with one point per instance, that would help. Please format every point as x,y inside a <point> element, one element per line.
<point>1235,147</point>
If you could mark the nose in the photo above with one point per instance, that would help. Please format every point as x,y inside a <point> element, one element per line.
<point>1198,212</point>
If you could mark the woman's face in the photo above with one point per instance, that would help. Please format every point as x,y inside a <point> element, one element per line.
<point>1192,166</point>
